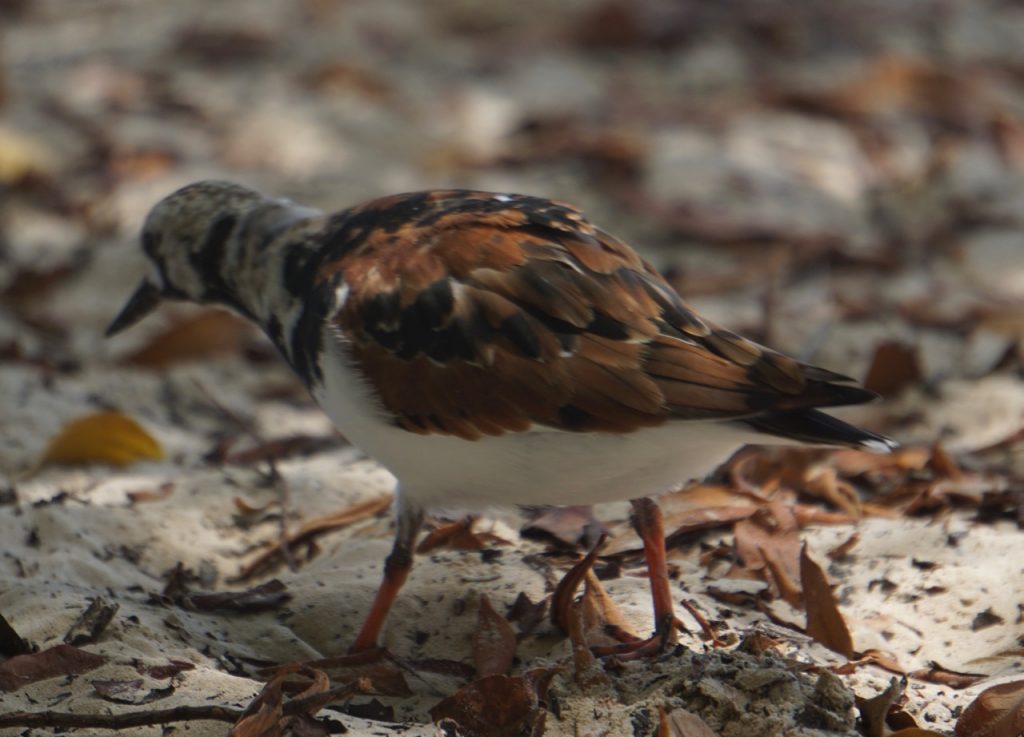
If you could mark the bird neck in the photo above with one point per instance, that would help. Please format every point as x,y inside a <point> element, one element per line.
<point>258,271</point>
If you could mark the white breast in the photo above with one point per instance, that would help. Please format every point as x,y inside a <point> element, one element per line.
<point>541,466</point>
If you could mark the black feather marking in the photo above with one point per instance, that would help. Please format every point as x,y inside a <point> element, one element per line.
<point>382,312</point>
<point>343,234</point>
<point>818,428</point>
<point>275,332</point>
<point>208,260</point>
<point>517,329</point>
<point>607,327</point>
<point>843,394</point>
<point>449,344</point>
<point>307,333</point>
<point>571,417</point>
<point>434,304</point>
<point>299,271</point>
<point>347,230</point>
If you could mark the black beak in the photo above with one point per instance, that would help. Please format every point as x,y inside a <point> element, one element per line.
<point>141,303</point>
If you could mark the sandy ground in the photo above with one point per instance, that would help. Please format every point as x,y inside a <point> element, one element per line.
<point>795,175</point>
<point>75,535</point>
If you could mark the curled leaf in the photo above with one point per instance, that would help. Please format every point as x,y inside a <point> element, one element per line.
<point>494,642</point>
<point>997,712</point>
<point>825,622</point>
<point>103,437</point>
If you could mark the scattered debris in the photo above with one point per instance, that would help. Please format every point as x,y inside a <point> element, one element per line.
<point>92,623</point>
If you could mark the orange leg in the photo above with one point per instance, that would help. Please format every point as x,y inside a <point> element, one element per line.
<point>647,522</point>
<point>396,570</point>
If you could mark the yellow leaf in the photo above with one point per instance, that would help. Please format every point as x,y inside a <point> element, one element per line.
<point>104,437</point>
<point>21,155</point>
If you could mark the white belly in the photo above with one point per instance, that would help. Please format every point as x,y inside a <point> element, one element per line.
<point>542,466</point>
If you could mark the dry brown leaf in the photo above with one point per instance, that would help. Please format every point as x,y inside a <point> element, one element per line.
<point>340,76</point>
<point>381,674</point>
<point>856,462</point>
<point>225,45</point>
<point>935,673</point>
<point>944,465</point>
<point>771,534</point>
<point>825,622</point>
<point>494,641</point>
<point>458,535</point>
<point>823,482</point>
<point>566,525</point>
<point>209,334</point>
<point>759,643</point>
<point>269,595</point>
<point>894,367</point>
<point>787,586</point>
<point>917,732</point>
<point>698,520</point>
<point>842,550</point>
<point>884,660</point>
<point>599,611</point>
<point>263,716</point>
<point>873,711</point>
<point>900,84</point>
<point>103,437</point>
<point>60,660</point>
<point>683,723</point>
<point>142,163</point>
<point>807,515</point>
<point>320,684</point>
<point>565,591</point>
<point>586,670</point>
<point>527,613</point>
<point>496,706</point>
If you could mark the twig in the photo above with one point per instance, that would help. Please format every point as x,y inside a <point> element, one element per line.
<point>62,719</point>
<point>279,482</point>
<point>310,530</point>
<point>120,721</point>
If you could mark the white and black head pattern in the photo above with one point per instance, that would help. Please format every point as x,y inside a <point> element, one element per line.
<point>209,243</point>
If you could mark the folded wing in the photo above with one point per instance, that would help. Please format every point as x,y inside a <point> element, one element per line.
<point>475,314</point>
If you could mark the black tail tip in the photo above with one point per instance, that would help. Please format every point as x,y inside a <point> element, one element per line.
<point>817,428</point>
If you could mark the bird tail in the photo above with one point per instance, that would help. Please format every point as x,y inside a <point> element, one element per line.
<point>818,428</point>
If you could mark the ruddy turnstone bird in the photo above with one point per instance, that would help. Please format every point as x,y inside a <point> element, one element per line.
<point>489,349</point>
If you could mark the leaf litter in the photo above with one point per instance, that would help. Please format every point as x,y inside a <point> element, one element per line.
<point>916,272</point>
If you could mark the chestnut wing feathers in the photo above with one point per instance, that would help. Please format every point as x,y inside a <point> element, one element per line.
<point>476,314</point>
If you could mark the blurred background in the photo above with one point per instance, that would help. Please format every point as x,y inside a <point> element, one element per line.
<point>842,180</point>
